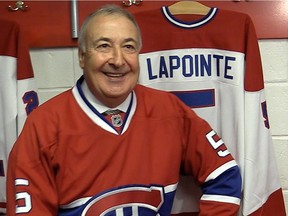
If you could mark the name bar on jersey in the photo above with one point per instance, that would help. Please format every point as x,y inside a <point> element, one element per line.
<point>192,64</point>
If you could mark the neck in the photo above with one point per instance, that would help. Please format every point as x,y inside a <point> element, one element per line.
<point>113,102</point>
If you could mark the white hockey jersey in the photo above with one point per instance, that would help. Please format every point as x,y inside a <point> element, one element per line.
<point>18,93</point>
<point>213,64</point>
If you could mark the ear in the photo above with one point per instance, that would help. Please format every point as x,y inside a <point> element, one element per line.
<point>81,56</point>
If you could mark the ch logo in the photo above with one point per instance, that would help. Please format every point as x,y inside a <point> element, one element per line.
<point>132,200</point>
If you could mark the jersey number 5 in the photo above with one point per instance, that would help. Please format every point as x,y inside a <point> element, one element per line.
<point>216,143</point>
<point>23,197</point>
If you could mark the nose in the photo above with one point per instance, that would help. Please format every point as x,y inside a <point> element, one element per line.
<point>117,58</point>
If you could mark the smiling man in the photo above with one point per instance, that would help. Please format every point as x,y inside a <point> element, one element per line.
<point>110,146</point>
<point>109,49</point>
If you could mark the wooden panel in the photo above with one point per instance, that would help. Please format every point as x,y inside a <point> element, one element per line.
<point>48,23</point>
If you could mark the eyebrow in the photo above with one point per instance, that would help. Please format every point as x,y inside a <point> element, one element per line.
<point>130,39</point>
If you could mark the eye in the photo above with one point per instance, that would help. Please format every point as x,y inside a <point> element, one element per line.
<point>103,47</point>
<point>130,48</point>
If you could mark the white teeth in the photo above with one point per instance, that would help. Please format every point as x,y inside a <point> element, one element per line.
<point>114,75</point>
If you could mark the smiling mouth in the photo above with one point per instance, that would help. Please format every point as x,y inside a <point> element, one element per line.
<point>115,75</point>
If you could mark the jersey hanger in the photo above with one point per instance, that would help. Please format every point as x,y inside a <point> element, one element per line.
<point>188,7</point>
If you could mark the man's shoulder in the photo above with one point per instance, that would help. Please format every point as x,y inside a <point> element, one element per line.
<point>156,97</point>
<point>55,103</point>
<point>140,89</point>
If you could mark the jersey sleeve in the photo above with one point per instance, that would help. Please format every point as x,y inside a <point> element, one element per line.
<point>18,92</point>
<point>30,176</point>
<point>215,169</point>
<point>27,90</point>
<point>262,187</point>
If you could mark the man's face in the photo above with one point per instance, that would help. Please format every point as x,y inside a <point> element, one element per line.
<point>110,63</point>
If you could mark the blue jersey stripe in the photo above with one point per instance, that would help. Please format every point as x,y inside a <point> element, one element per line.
<point>226,184</point>
<point>197,99</point>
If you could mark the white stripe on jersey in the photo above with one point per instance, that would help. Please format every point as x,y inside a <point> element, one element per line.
<point>135,210</point>
<point>119,212</point>
<point>189,25</point>
<point>82,201</point>
<point>220,170</point>
<point>75,203</point>
<point>221,198</point>
<point>170,188</point>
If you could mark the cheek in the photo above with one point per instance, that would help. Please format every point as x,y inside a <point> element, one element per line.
<point>134,62</point>
<point>93,61</point>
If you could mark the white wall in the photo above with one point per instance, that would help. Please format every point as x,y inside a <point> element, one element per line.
<point>57,70</point>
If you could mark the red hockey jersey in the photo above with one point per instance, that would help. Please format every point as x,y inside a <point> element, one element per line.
<point>18,93</point>
<point>213,64</point>
<point>69,161</point>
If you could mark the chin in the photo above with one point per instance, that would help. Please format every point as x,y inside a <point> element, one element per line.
<point>121,90</point>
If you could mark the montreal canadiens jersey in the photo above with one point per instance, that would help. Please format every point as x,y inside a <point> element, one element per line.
<point>213,64</point>
<point>18,95</point>
<point>79,166</point>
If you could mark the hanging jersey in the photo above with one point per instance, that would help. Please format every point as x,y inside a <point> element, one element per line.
<point>212,63</point>
<point>79,165</point>
<point>18,96</point>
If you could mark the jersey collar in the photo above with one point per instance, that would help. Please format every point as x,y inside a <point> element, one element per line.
<point>194,24</point>
<point>95,115</point>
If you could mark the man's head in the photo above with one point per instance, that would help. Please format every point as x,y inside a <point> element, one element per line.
<point>109,45</point>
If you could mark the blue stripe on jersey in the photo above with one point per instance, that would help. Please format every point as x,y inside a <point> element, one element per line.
<point>94,110</point>
<point>197,99</point>
<point>127,211</point>
<point>226,184</point>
